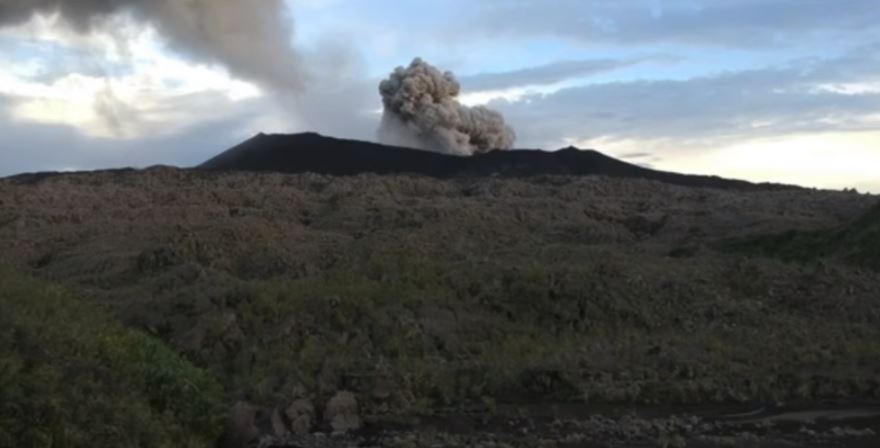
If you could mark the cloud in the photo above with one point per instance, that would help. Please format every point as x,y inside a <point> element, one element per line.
<point>251,39</point>
<point>110,93</point>
<point>812,122</point>
<point>422,110</point>
<point>137,88</point>
<point>736,23</point>
<point>88,101</point>
<point>819,159</point>
<point>34,146</point>
<point>551,73</point>
<point>704,109</point>
<point>637,155</point>
<point>154,95</point>
<point>345,109</point>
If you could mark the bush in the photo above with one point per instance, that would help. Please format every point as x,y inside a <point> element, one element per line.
<point>857,243</point>
<point>70,376</point>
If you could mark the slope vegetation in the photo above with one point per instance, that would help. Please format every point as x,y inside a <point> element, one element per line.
<point>72,376</point>
<point>856,243</point>
<point>428,295</point>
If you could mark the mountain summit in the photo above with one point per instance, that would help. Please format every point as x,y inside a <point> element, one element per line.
<point>311,152</point>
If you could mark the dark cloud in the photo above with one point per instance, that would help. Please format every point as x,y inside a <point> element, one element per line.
<point>252,39</point>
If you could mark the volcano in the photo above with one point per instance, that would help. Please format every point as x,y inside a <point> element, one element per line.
<point>315,153</point>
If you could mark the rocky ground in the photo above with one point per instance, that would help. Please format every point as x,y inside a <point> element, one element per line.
<point>598,430</point>
<point>541,311</point>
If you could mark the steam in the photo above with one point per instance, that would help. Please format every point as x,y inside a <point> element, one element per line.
<point>422,110</point>
<point>250,38</point>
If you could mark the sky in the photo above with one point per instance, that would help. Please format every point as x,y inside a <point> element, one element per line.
<point>765,90</point>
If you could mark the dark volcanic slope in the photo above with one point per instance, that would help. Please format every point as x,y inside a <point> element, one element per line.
<point>301,153</point>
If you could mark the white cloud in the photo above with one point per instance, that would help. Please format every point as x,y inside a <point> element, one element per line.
<point>829,160</point>
<point>834,160</point>
<point>850,88</point>
<point>480,98</point>
<point>127,105</point>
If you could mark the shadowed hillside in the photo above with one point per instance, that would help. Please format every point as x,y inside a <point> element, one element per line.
<point>302,153</point>
<point>857,243</point>
<point>461,296</point>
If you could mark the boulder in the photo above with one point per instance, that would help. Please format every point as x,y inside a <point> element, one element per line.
<point>341,413</point>
<point>241,428</point>
<point>279,429</point>
<point>301,414</point>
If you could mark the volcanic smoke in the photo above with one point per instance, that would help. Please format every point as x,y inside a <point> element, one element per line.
<point>422,110</point>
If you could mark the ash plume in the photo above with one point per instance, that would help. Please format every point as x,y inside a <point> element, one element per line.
<point>422,110</point>
<point>250,38</point>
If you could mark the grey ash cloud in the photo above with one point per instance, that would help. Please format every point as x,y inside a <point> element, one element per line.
<point>422,110</point>
<point>251,38</point>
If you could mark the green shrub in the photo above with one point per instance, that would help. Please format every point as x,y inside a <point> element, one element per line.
<point>72,377</point>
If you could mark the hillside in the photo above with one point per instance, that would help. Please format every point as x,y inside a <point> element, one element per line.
<point>451,307</point>
<point>314,153</point>
<point>857,243</point>
<point>66,368</point>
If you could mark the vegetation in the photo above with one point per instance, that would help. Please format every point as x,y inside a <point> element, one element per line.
<point>410,333</point>
<point>857,243</point>
<point>70,376</point>
<point>860,242</point>
<point>419,296</point>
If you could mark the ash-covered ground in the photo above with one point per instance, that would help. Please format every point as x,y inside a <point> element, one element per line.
<point>476,311</point>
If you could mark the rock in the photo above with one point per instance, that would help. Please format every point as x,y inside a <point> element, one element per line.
<point>847,431</point>
<point>301,414</point>
<point>341,412</point>
<point>383,388</point>
<point>440,324</point>
<point>672,441</point>
<point>241,428</point>
<point>302,425</point>
<point>279,429</point>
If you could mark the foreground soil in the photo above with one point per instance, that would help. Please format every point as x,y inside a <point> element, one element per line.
<point>542,311</point>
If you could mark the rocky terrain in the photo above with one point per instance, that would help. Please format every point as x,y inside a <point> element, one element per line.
<point>408,311</point>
